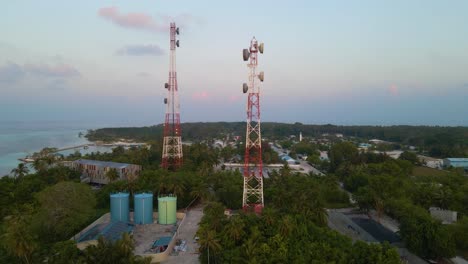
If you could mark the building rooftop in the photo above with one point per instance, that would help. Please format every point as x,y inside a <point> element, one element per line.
<point>100,163</point>
<point>111,231</point>
<point>458,159</point>
<point>162,241</point>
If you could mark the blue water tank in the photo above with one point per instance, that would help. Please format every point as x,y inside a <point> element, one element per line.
<point>143,209</point>
<point>119,207</point>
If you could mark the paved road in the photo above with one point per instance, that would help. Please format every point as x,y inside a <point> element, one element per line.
<point>187,232</point>
<point>308,168</point>
<point>305,167</point>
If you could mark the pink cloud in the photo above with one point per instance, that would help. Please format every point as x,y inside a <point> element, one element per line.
<point>142,21</point>
<point>200,95</point>
<point>393,90</point>
<point>131,20</point>
<point>234,98</point>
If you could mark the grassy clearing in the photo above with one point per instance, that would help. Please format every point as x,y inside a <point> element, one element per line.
<point>425,171</point>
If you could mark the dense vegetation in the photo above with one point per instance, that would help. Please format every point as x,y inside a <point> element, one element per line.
<point>435,141</point>
<point>291,229</point>
<point>389,186</point>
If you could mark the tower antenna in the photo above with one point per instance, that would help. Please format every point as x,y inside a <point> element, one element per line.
<point>253,166</point>
<point>172,142</point>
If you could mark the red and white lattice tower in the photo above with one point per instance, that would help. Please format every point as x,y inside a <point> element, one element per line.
<point>172,142</point>
<point>252,199</point>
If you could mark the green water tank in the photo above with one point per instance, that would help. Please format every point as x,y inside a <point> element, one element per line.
<point>167,209</point>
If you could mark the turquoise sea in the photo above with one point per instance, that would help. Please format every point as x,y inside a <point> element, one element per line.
<point>19,139</point>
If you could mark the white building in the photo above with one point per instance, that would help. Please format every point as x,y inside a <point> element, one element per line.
<point>324,155</point>
<point>446,216</point>
<point>394,154</point>
<point>376,141</point>
<point>431,162</point>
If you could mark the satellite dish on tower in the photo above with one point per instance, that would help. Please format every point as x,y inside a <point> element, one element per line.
<point>245,54</point>
<point>177,31</point>
<point>165,100</point>
<point>245,87</point>
<point>177,43</point>
<point>166,85</point>
<point>261,76</point>
<point>260,48</point>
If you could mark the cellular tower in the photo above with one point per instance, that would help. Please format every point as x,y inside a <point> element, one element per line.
<point>253,166</point>
<point>172,142</point>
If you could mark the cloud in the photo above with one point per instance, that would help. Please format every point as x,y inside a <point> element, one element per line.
<point>131,20</point>
<point>11,72</point>
<point>200,95</point>
<point>58,85</point>
<point>142,21</point>
<point>143,74</point>
<point>141,50</point>
<point>234,98</point>
<point>59,70</point>
<point>393,90</point>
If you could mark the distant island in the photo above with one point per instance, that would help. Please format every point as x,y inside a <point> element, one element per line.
<point>436,141</point>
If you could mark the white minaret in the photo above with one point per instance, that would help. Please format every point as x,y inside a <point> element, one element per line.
<point>300,136</point>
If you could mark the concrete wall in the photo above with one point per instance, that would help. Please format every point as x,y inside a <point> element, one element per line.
<point>155,258</point>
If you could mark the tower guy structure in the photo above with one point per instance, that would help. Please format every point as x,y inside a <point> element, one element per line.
<point>172,142</point>
<point>253,166</point>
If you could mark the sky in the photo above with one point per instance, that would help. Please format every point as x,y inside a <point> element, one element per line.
<point>367,62</point>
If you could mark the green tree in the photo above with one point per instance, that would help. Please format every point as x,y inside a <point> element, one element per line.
<point>209,242</point>
<point>112,174</point>
<point>235,228</point>
<point>20,171</point>
<point>65,252</point>
<point>118,252</point>
<point>64,208</point>
<point>39,164</point>
<point>342,152</point>
<point>18,239</point>
<point>409,156</point>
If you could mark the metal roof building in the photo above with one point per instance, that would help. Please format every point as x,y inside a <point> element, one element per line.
<point>95,171</point>
<point>456,162</point>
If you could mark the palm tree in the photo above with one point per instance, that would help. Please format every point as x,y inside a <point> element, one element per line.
<point>49,160</point>
<point>39,164</point>
<point>319,213</point>
<point>379,207</point>
<point>20,171</point>
<point>235,228</point>
<point>200,191</point>
<point>268,215</point>
<point>17,238</point>
<point>249,250</point>
<point>286,226</point>
<point>125,244</point>
<point>177,187</point>
<point>209,241</point>
<point>163,184</point>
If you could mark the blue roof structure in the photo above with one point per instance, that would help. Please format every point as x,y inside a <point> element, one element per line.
<point>458,159</point>
<point>99,163</point>
<point>162,241</point>
<point>286,158</point>
<point>113,231</point>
